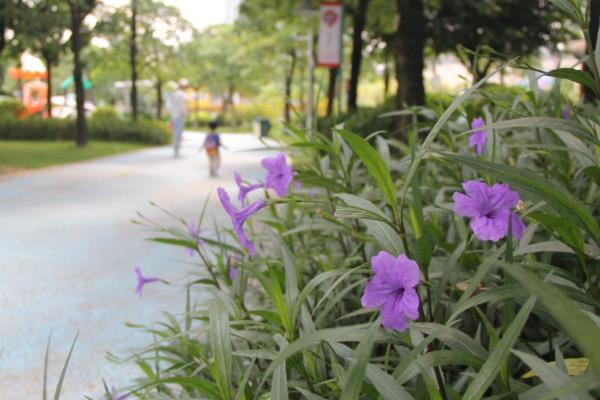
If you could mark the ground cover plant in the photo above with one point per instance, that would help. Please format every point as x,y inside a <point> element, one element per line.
<point>461,262</point>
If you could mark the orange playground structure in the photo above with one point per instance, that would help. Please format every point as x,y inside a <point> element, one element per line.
<point>35,90</point>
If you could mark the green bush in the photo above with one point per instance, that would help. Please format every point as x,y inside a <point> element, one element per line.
<point>11,108</point>
<point>101,126</point>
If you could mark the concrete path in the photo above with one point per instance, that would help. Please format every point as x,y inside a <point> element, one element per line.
<point>67,250</point>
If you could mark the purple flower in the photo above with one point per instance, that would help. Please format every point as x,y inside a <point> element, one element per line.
<point>115,395</point>
<point>393,289</point>
<point>297,184</point>
<point>566,112</point>
<point>194,232</point>
<point>142,280</point>
<point>478,138</point>
<point>489,208</point>
<point>279,174</point>
<point>238,217</point>
<point>244,189</point>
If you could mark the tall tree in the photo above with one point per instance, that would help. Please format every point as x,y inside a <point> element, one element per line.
<point>47,21</point>
<point>410,42</point>
<point>79,10</point>
<point>359,17</point>
<point>480,33</point>
<point>132,61</point>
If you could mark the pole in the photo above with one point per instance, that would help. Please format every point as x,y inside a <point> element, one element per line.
<point>309,89</point>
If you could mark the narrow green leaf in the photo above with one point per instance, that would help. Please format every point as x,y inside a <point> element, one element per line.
<point>63,373</point>
<point>360,358</point>
<point>569,315</point>
<point>220,344</point>
<point>559,124</point>
<point>574,75</point>
<point>279,386</point>
<point>370,157</point>
<point>499,355</point>
<point>553,377</point>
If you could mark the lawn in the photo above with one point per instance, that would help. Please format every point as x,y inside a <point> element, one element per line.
<point>29,154</point>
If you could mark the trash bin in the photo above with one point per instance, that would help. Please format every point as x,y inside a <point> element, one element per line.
<point>261,127</point>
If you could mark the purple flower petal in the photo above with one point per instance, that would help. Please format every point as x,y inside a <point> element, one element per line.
<point>244,189</point>
<point>478,138</point>
<point>376,292</point>
<point>393,289</point>
<point>518,227</point>
<point>279,174</point>
<point>392,314</point>
<point>489,209</point>
<point>142,280</point>
<point>115,395</point>
<point>239,217</point>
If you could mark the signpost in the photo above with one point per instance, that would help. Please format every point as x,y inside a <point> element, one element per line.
<point>330,34</point>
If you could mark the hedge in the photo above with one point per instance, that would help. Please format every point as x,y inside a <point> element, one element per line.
<point>99,128</point>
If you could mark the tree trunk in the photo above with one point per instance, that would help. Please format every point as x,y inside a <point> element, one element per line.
<point>159,98</point>
<point>132,61</point>
<point>233,111</point>
<point>386,73</point>
<point>588,94</point>
<point>289,79</point>
<point>49,88</point>
<point>76,21</point>
<point>409,56</point>
<point>360,20</point>
<point>333,73</point>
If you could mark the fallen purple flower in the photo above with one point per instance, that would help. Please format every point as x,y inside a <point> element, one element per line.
<point>238,217</point>
<point>142,280</point>
<point>279,174</point>
<point>489,208</point>
<point>393,289</point>
<point>478,138</point>
<point>244,189</point>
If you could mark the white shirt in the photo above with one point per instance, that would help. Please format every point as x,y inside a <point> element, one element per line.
<point>178,105</point>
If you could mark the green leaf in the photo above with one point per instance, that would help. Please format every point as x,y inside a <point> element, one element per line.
<point>383,232</point>
<point>574,75</point>
<point>568,314</point>
<point>220,344</point>
<point>572,9</point>
<point>63,373</point>
<point>384,383</point>
<point>279,386</point>
<point>370,157</point>
<point>440,358</point>
<point>360,358</point>
<point>537,188</point>
<point>499,355</point>
<point>553,377</point>
<point>559,124</point>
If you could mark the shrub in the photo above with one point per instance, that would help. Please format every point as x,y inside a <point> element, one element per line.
<point>11,108</point>
<point>432,273</point>
<point>102,126</point>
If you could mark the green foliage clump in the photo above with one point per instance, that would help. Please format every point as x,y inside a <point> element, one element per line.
<point>11,108</point>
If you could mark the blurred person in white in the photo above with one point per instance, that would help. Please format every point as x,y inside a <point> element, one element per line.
<point>177,106</point>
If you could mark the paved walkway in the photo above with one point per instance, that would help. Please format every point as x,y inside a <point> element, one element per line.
<point>67,250</point>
